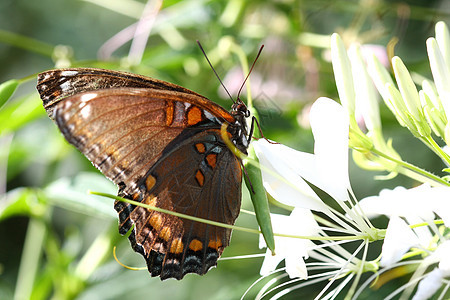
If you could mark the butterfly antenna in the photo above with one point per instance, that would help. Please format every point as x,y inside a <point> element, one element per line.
<point>217,75</point>
<point>251,69</point>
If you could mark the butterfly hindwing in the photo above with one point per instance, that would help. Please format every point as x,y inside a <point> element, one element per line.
<point>180,246</point>
<point>161,144</point>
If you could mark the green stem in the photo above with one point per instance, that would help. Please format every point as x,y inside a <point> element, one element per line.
<point>435,147</point>
<point>413,171</point>
<point>437,222</point>
<point>31,256</point>
<point>26,43</point>
<point>95,255</point>
<point>176,214</point>
<point>316,238</point>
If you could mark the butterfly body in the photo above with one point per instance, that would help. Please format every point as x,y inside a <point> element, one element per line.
<point>162,145</point>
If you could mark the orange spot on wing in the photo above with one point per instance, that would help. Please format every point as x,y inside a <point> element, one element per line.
<point>165,233</point>
<point>200,177</point>
<point>211,159</point>
<point>56,93</point>
<point>169,113</point>
<point>150,182</point>
<point>215,244</point>
<point>176,246</point>
<point>200,148</point>
<point>195,245</point>
<point>194,116</point>
<point>150,200</point>
<point>156,221</point>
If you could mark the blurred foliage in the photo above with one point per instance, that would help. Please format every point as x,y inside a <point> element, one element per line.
<point>56,240</point>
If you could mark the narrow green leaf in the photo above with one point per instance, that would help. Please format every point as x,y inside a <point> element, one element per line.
<point>7,88</point>
<point>259,200</point>
<point>258,195</point>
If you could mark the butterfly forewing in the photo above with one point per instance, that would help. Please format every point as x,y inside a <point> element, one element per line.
<point>161,144</point>
<point>55,85</point>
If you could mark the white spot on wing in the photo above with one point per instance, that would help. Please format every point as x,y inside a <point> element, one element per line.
<point>210,116</point>
<point>65,86</point>
<point>86,111</point>
<point>69,73</point>
<point>83,105</point>
<point>87,97</point>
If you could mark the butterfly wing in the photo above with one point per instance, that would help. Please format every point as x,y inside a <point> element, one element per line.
<point>162,147</point>
<point>55,85</point>
<point>198,177</point>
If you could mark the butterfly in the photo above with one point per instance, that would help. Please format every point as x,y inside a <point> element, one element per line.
<point>162,145</point>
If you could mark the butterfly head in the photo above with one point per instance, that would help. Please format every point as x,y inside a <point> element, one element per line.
<point>239,108</point>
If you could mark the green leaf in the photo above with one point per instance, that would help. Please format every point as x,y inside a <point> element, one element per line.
<point>259,200</point>
<point>258,194</point>
<point>72,193</point>
<point>20,202</point>
<point>7,88</point>
<point>15,114</point>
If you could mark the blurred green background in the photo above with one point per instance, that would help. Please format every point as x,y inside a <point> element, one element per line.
<point>60,238</point>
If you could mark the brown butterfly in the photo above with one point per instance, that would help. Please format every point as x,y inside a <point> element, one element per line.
<point>162,145</point>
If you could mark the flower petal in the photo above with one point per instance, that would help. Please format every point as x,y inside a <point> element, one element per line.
<point>296,267</point>
<point>440,203</point>
<point>441,255</point>
<point>366,98</point>
<point>293,190</point>
<point>293,250</point>
<point>429,285</point>
<point>399,239</point>
<point>328,169</point>
<point>270,263</point>
<point>401,202</point>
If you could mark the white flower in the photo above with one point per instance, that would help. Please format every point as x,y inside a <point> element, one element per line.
<point>285,172</point>
<point>292,190</point>
<point>293,250</point>
<point>417,205</point>
<point>434,279</point>
<point>289,174</point>
<point>327,168</point>
<point>409,203</point>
